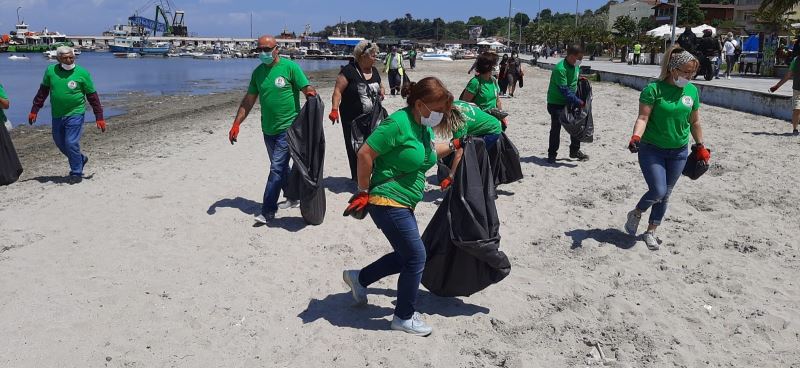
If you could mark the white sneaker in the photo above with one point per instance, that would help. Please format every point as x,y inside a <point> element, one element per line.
<point>261,219</point>
<point>288,204</point>
<point>632,225</point>
<point>414,326</point>
<point>359,292</point>
<point>651,240</point>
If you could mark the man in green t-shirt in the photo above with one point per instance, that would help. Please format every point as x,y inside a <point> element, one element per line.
<point>412,58</point>
<point>69,87</point>
<point>794,74</point>
<point>4,105</point>
<point>276,84</point>
<point>562,89</point>
<point>637,53</point>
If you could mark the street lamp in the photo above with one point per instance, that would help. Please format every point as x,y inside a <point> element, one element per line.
<point>576,13</point>
<point>674,21</point>
<point>509,22</point>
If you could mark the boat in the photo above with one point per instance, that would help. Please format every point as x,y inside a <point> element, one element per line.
<point>22,39</point>
<point>138,45</point>
<point>209,56</point>
<point>437,56</point>
<point>126,55</point>
<point>190,54</point>
<point>15,57</point>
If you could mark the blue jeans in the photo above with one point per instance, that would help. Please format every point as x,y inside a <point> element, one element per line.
<point>67,133</point>
<point>278,151</point>
<point>490,140</point>
<point>408,259</point>
<point>661,169</point>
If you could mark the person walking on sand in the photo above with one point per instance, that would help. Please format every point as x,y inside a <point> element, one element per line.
<point>729,48</point>
<point>468,120</point>
<point>637,53</point>
<point>794,74</point>
<point>394,69</point>
<point>276,84</point>
<point>357,85</point>
<point>412,59</point>
<point>513,73</point>
<point>561,91</point>
<point>668,114</point>
<point>69,87</point>
<point>391,180</point>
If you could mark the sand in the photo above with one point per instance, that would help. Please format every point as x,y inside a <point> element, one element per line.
<point>155,262</point>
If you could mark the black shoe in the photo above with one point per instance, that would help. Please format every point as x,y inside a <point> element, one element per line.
<point>551,160</point>
<point>74,179</point>
<point>85,160</point>
<point>796,132</point>
<point>579,155</point>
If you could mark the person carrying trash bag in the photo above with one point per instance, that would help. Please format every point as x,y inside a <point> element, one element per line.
<point>668,114</point>
<point>483,90</point>
<point>391,181</point>
<point>10,167</point>
<point>469,121</point>
<point>577,119</point>
<point>276,83</point>
<point>560,93</point>
<point>358,91</point>
<point>462,239</point>
<point>306,139</point>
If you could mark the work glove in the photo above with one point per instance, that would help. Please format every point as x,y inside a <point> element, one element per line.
<point>358,203</point>
<point>101,124</point>
<point>234,131</point>
<point>504,123</point>
<point>311,93</point>
<point>633,145</point>
<point>32,118</point>
<point>456,144</point>
<point>444,184</point>
<point>702,154</point>
<point>334,115</point>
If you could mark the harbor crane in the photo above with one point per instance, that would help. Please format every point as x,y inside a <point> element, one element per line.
<point>164,9</point>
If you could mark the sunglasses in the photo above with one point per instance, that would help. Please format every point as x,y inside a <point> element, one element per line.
<point>266,49</point>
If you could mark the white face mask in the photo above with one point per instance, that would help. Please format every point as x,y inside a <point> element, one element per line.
<point>681,82</point>
<point>434,119</point>
<point>578,62</point>
<point>68,66</point>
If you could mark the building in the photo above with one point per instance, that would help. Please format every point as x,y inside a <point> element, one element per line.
<point>746,10</point>
<point>636,9</point>
<point>662,13</point>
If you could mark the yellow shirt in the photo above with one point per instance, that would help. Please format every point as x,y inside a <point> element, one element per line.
<point>383,201</point>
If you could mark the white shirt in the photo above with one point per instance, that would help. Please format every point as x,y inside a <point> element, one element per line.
<point>730,47</point>
<point>394,63</point>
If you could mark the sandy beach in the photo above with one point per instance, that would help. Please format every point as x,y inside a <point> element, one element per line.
<point>155,262</point>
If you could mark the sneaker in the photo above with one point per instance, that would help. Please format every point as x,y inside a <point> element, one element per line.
<point>75,179</point>
<point>795,132</point>
<point>729,77</point>
<point>414,326</point>
<point>632,225</point>
<point>551,160</point>
<point>359,292</point>
<point>651,240</point>
<point>288,204</point>
<point>263,219</point>
<point>579,155</point>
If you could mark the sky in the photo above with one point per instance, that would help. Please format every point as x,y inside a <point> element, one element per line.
<point>231,18</point>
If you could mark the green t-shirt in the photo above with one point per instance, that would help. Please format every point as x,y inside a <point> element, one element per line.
<point>637,49</point>
<point>485,92</point>
<point>477,123</point>
<point>278,89</point>
<point>563,75</point>
<point>68,90</point>
<point>404,147</point>
<point>5,97</point>
<point>668,126</point>
<point>795,75</point>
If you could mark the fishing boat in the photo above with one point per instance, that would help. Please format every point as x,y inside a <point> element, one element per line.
<point>22,39</point>
<point>15,57</point>
<point>126,55</point>
<point>209,56</point>
<point>139,45</point>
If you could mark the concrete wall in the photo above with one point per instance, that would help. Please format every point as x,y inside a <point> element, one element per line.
<point>754,102</point>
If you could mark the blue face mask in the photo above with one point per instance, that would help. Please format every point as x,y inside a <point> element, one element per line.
<point>266,58</point>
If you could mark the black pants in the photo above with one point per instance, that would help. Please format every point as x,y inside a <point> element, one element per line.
<point>352,158</point>
<point>413,62</point>
<point>636,58</point>
<point>395,80</point>
<point>555,132</point>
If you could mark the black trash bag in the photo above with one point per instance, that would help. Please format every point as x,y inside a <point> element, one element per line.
<point>576,120</point>
<point>695,168</point>
<point>364,124</point>
<point>504,158</point>
<point>462,240</point>
<point>10,167</point>
<point>307,147</point>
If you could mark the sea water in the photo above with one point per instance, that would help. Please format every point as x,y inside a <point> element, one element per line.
<point>114,78</point>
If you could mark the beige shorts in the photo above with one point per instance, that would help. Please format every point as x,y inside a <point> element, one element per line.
<point>795,99</point>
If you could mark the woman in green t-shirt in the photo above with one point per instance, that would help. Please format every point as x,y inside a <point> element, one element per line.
<point>482,89</point>
<point>391,180</point>
<point>466,119</point>
<point>668,114</point>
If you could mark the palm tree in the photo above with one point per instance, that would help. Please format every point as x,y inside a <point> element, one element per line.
<point>779,6</point>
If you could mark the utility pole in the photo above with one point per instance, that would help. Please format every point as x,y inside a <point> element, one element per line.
<point>674,20</point>
<point>251,24</point>
<point>576,13</point>
<point>509,22</point>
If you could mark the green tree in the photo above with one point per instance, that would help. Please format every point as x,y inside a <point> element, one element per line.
<point>522,19</point>
<point>778,6</point>
<point>625,26</point>
<point>689,13</point>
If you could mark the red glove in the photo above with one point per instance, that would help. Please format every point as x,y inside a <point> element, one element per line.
<point>358,202</point>
<point>504,123</point>
<point>633,145</point>
<point>701,153</point>
<point>32,118</point>
<point>446,183</point>
<point>334,115</point>
<point>456,144</point>
<point>234,131</point>
<point>101,124</point>
<point>311,93</point>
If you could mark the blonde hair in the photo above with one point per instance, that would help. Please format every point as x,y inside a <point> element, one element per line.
<point>453,121</point>
<point>365,46</point>
<point>665,69</point>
